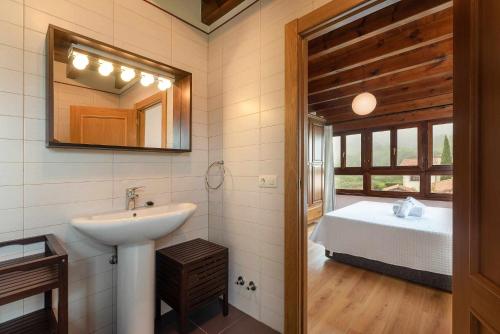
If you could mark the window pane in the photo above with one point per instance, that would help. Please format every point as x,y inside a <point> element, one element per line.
<point>353,150</point>
<point>401,183</point>
<point>442,144</point>
<point>351,182</point>
<point>407,147</point>
<point>442,184</point>
<point>336,151</point>
<point>381,148</point>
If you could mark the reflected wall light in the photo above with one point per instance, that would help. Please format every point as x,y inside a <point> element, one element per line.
<point>364,103</point>
<point>164,84</point>
<point>80,61</point>
<point>147,79</point>
<point>105,67</point>
<point>127,73</point>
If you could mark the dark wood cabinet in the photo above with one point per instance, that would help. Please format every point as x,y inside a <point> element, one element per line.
<point>315,169</point>
<point>190,275</point>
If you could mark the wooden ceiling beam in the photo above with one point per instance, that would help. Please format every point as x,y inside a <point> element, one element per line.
<point>409,36</point>
<point>389,17</point>
<point>391,88</point>
<point>396,94</point>
<point>394,119</point>
<point>212,10</point>
<point>429,57</point>
<point>411,75</point>
<point>344,114</point>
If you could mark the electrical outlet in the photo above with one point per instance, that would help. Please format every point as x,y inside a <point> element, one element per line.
<point>268,181</point>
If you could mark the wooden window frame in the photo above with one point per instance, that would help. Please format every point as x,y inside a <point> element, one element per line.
<point>424,168</point>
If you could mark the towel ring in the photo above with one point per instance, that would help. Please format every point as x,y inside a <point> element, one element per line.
<point>219,163</point>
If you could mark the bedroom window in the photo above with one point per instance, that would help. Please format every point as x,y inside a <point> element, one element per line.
<point>442,184</point>
<point>407,147</point>
<point>412,159</point>
<point>381,148</point>
<point>337,152</point>
<point>397,183</point>
<point>349,182</point>
<point>353,150</point>
<point>442,144</point>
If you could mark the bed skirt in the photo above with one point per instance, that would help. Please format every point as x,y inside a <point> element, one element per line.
<point>434,280</point>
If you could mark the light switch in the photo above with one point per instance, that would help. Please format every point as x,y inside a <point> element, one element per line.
<point>268,181</point>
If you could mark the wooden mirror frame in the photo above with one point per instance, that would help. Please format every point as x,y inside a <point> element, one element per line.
<point>182,86</point>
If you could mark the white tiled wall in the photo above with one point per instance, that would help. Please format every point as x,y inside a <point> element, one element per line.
<point>41,189</point>
<point>246,130</point>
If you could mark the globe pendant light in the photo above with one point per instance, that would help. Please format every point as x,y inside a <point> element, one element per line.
<point>364,103</point>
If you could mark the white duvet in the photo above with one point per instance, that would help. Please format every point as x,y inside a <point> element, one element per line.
<point>371,230</point>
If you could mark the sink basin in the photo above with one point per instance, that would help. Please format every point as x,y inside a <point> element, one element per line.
<point>125,227</point>
<point>134,233</point>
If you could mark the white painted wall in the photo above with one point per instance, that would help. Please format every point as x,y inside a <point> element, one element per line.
<point>41,189</point>
<point>246,130</point>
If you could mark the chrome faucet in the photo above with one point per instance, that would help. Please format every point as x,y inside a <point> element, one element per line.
<point>131,197</point>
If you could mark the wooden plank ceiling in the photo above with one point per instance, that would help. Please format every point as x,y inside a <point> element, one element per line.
<point>212,10</point>
<point>402,54</point>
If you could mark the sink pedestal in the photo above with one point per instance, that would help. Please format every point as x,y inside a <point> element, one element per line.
<point>134,232</point>
<point>136,288</point>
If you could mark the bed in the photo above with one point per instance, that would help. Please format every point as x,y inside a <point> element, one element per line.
<point>368,235</point>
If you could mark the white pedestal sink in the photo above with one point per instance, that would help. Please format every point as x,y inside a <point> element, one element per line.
<point>134,233</point>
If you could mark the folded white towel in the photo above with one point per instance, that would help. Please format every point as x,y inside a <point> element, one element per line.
<point>408,207</point>
<point>404,209</point>
<point>397,205</point>
<point>418,207</point>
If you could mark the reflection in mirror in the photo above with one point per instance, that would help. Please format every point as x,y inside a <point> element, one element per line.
<point>114,99</point>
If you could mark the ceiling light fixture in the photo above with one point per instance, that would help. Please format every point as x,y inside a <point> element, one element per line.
<point>127,73</point>
<point>164,84</point>
<point>364,103</point>
<point>105,67</point>
<point>147,79</point>
<point>80,61</point>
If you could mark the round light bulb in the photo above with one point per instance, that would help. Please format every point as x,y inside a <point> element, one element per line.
<point>105,67</point>
<point>127,74</point>
<point>364,103</point>
<point>80,61</point>
<point>147,79</point>
<point>164,84</point>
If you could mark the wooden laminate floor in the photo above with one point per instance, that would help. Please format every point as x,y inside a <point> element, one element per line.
<point>346,299</point>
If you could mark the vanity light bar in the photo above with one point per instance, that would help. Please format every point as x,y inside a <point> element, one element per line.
<point>79,52</point>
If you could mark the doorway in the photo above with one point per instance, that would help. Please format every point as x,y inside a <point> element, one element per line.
<point>477,283</point>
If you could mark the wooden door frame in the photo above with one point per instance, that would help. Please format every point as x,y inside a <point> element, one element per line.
<point>141,106</point>
<point>296,34</point>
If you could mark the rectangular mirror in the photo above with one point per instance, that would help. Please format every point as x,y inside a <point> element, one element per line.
<point>100,96</point>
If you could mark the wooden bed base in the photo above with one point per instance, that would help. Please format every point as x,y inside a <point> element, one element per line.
<point>433,280</point>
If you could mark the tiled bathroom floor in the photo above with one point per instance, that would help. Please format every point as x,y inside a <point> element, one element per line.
<point>209,320</point>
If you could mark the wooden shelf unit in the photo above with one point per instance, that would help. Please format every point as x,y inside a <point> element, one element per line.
<point>31,275</point>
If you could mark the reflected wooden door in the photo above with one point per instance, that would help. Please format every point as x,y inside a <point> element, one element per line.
<point>476,215</point>
<point>103,126</point>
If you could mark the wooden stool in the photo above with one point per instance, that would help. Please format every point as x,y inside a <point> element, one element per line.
<point>190,275</point>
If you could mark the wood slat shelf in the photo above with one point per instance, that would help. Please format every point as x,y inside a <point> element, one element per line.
<point>31,275</point>
<point>38,322</point>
